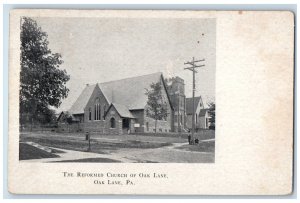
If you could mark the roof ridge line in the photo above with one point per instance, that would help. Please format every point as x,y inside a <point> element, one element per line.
<point>129,78</point>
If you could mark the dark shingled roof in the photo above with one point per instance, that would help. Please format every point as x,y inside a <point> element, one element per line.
<point>128,92</point>
<point>82,100</point>
<point>123,110</point>
<point>189,104</point>
<point>203,112</point>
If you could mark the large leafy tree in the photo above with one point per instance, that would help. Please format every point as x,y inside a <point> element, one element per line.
<point>43,84</point>
<point>212,115</point>
<point>156,106</point>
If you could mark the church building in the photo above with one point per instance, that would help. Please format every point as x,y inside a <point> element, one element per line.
<point>119,107</point>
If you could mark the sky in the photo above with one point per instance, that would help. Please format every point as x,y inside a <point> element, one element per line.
<point>96,50</point>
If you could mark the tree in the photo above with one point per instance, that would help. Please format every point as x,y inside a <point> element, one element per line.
<point>212,115</point>
<point>156,106</point>
<point>43,84</point>
<point>46,115</point>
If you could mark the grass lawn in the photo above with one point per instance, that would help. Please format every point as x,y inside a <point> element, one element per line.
<point>97,146</point>
<point>29,152</point>
<point>201,147</point>
<point>144,138</point>
<point>118,147</point>
<point>151,137</point>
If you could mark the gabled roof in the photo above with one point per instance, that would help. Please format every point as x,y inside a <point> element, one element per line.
<point>189,104</point>
<point>122,110</point>
<point>61,114</point>
<point>82,100</point>
<point>129,92</point>
<point>203,112</point>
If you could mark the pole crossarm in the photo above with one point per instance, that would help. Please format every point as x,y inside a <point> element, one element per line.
<point>200,60</point>
<point>192,62</point>
<point>198,66</point>
<point>191,69</point>
<point>188,63</point>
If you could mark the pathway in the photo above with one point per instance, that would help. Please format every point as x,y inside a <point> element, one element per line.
<point>167,154</point>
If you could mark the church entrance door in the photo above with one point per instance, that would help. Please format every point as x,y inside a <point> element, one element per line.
<point>126,125</point>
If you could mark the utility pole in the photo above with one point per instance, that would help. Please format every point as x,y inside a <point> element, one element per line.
<point>193,69</point>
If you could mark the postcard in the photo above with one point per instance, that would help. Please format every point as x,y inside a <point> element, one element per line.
<point>148,102</point>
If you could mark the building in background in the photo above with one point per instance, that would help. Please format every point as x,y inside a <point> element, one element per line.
<point>203,119</point>
<point>201,114</point>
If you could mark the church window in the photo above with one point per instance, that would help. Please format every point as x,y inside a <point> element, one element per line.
<point>112,123</point>
<point>97,115</point>
<point>104,111</point>
<point>90,114</point>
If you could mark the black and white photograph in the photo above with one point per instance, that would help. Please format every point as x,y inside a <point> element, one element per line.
<point>117,90</point>
<point>150,102</point>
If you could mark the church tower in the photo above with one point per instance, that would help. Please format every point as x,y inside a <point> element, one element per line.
<point>176,92</point>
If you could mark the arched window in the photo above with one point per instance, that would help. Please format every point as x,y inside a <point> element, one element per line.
<point>112,123</point>
<point>90,114</point>
<point>97,115</point>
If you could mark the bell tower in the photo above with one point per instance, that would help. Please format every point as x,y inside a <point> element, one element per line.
<point>177,96</point>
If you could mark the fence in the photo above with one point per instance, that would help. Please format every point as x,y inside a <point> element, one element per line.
<point>38,128</point>
<point>71,128</point>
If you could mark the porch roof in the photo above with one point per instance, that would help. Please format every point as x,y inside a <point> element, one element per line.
<point>122,110</point>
